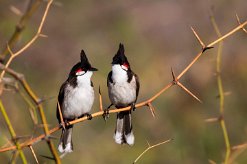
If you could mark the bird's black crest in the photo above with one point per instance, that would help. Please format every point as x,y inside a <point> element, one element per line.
<point>84,64</point>
<point>84,61</point>
<point>120,57</point>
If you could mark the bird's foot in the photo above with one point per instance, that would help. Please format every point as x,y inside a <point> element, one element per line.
<point>133,107</point>
<point>105,115</point>
<point>64,124</point>
<point>89,116</point>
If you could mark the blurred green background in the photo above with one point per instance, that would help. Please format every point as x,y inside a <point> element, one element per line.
<point>157,36</point>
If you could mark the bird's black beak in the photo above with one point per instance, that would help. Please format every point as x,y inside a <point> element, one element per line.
<point>93,69</point>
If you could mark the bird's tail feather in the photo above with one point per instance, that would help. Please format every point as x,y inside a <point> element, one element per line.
<point>123,131</point>
<point>65,143</point>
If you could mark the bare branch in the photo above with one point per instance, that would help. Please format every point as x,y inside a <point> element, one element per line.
<point>30,42</point>
<point>151,147</point>
<point>33,6</point>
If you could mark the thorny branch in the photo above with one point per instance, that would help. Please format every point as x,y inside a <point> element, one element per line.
<point>221,93</point>
<point>27,45</point>
<point>231,152</point>
<point>32,7</point>
<point>27,87</point>
<point>141,104</point>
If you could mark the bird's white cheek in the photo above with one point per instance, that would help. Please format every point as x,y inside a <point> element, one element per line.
<point>124,67</point>
<point>80,73</point>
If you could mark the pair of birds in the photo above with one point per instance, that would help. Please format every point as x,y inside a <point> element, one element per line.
<point>76,97</point>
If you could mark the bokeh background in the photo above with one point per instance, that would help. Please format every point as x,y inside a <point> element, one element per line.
<point>157,36</point>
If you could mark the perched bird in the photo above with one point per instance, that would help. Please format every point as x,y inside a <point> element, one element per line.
<point>123,88</point>
<point>76,97</point>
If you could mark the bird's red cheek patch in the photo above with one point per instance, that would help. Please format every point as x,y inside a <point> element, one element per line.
<point>125,66</point>
<point>79,70</point>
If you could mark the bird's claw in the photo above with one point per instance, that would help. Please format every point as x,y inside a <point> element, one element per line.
<point>133,107</point>
<point>105,115</point>
<point>64,124</point>
<point>89,116</point>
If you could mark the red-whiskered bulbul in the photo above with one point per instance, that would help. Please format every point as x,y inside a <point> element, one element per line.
<point>76,97</point>
<point>123,88</point>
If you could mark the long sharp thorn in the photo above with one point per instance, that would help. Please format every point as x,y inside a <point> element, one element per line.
<point>197,37</point>
<point>188,91</point>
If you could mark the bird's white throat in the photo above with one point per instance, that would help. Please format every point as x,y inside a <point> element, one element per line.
<point>118,74</point>
<point>85,79</point>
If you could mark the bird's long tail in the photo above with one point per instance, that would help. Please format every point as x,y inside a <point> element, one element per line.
<point>65,143</point>
<point>123,131</point>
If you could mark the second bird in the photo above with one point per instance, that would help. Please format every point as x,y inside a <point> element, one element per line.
<point>123,88</point>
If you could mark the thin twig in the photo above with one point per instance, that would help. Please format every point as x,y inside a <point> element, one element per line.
<point>150,147</point>
<point>190,65</point>
<point>100,101</point>
<point>210,45</point>
<point>20,26</point>
<point>227,34</point>
<point>34,155</point>
<point>60,115</point>
<point>13,55</point>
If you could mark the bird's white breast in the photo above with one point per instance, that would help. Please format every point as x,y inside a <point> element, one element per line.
<point>78,100</point>
<point>121,92</point>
